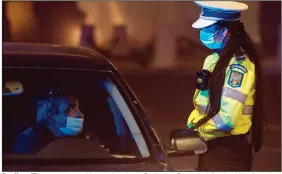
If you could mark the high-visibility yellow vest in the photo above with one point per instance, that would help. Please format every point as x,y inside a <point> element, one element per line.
<point>237,100</point>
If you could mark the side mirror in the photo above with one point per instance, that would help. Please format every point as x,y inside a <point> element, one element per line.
<point>185,142</point>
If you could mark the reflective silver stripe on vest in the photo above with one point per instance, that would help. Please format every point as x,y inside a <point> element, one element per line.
<point>220,124</point>
<point>247,110</point>
<point>234,94</point>
<point>201,109</point>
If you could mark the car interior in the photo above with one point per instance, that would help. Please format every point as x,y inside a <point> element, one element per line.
<point>101,132</point>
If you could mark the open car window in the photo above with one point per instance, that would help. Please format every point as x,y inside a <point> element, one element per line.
<point>67,114</point>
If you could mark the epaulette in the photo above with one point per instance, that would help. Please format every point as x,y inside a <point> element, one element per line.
<point>240,55</point>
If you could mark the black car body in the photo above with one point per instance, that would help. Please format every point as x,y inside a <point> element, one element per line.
<point>22,57</point>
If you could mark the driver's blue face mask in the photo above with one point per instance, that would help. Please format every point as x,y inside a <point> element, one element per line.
<point>73,126</point>
<point>66,119</point>
<point>213,37</point>
<point>70,121</point>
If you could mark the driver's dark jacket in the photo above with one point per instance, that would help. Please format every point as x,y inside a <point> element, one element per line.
<point>34,140</point>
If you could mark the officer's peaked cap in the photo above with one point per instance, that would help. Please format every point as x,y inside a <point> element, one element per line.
<point>214,11</point>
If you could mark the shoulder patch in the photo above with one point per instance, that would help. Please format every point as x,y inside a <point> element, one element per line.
<point>240,67</point>
<point>235,79</point>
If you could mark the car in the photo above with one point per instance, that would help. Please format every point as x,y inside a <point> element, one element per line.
<point>69,109</point>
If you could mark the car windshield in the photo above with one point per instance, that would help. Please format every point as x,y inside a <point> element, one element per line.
<point>63,113</point>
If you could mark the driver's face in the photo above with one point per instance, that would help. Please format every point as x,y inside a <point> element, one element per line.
<point>69,118</point>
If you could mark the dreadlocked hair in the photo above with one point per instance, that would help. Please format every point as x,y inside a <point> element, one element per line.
<point>238,38</point>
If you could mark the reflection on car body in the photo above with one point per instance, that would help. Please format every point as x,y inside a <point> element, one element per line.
<point>72,110</point>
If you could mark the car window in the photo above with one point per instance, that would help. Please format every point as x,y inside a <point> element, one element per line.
<point>63,113</point>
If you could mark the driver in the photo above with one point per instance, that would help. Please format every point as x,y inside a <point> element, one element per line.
<point>63,117</point>
<point>57,117</point>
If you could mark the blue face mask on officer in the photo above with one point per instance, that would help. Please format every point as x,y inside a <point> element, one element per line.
<point>213,37</point>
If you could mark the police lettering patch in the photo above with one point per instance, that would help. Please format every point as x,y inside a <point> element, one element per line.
<point>240,67</point>
<point>235,79</point>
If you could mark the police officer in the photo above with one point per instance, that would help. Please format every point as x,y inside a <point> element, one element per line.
<point>227,98</point>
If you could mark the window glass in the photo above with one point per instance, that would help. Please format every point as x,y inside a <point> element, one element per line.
<point>54,113</point>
